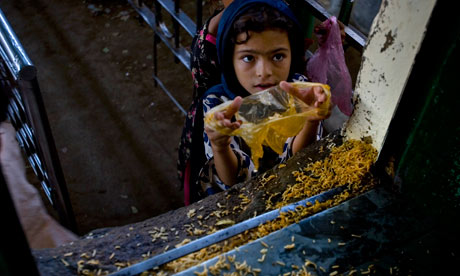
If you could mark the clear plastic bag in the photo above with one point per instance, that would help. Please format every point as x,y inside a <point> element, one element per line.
<point>269,117</point>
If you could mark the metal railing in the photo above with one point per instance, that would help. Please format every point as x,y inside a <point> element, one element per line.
<point>26,111</point>
<point>171,39</point>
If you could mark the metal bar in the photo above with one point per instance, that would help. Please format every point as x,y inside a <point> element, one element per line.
<point>146,14</point>
<point>181,53</point>
<point>47,191</point>
<point>345,11</point>
<point>155,57</point>
<point>220,235</point>
<point>176,27</point>
<point>189,26</point>
<point>353,36</point>
<point>170,95</point>
<point>13,53</point>
<point>20,74</point>
<point>46,148</point>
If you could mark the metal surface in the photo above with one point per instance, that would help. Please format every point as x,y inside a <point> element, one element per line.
<point>12,52</point>
<point>219,236</point>
<point>376,233</point>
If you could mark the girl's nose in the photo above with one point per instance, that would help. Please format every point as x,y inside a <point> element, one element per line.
<point>264,68</point>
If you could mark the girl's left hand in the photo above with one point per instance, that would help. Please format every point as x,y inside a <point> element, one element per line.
<point>312,96</point>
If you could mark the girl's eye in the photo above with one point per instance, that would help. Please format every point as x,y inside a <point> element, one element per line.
<point>248,59</point>
<point>278,57</point>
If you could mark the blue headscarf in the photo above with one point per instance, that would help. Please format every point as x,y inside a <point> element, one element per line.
<point>229,83</point>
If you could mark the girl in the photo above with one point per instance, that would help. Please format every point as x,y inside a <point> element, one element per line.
<point>259,45</point>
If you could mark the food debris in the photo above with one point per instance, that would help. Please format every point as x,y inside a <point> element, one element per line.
<point>198,232</point>
<point>231,258</point>
<point>93,262</point>
<point>191,213</point>
<point>281,263</point>
<point>289,246</point>
<point>65,262</point>
<point>261,259</point>
<point>203,273</point>
<point>219,265</point>
<point>310,263</point>
<point>352,272</point>
<point>225,222</point>
<point>111,256</point>
<point>68,254</point>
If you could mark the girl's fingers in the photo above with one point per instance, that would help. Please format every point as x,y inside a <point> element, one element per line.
<point>233,108</point>
<point>286,86</point>
<point>319,95</point>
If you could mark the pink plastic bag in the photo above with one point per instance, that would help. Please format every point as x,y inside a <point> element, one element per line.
<point>327,65</point>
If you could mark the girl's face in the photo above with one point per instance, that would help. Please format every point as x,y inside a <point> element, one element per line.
<point>262,61</point>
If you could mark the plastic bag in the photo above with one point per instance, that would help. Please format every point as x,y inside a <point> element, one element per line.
<point>269,117</point>
<point>327,65</point>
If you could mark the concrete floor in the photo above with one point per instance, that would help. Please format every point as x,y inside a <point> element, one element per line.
<point>116,134</point>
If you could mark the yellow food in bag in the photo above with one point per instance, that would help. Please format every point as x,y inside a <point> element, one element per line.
<point>269,117</point>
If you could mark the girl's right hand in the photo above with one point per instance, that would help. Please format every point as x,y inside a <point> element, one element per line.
<point>218,140</point>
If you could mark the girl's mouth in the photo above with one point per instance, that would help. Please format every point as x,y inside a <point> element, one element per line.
<point>263,86</point>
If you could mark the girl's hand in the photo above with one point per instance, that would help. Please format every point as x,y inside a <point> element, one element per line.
<point>312,96</point>
<point>218,140</point>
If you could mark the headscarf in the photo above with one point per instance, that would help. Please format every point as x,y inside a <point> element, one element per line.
<point>229,82</point>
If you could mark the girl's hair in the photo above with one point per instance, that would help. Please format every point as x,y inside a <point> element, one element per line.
<point>263,17</point>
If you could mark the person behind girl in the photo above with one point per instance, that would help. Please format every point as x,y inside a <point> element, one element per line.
<point>205,73</point>
<point>203,60</point>
<point>259,45</point>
